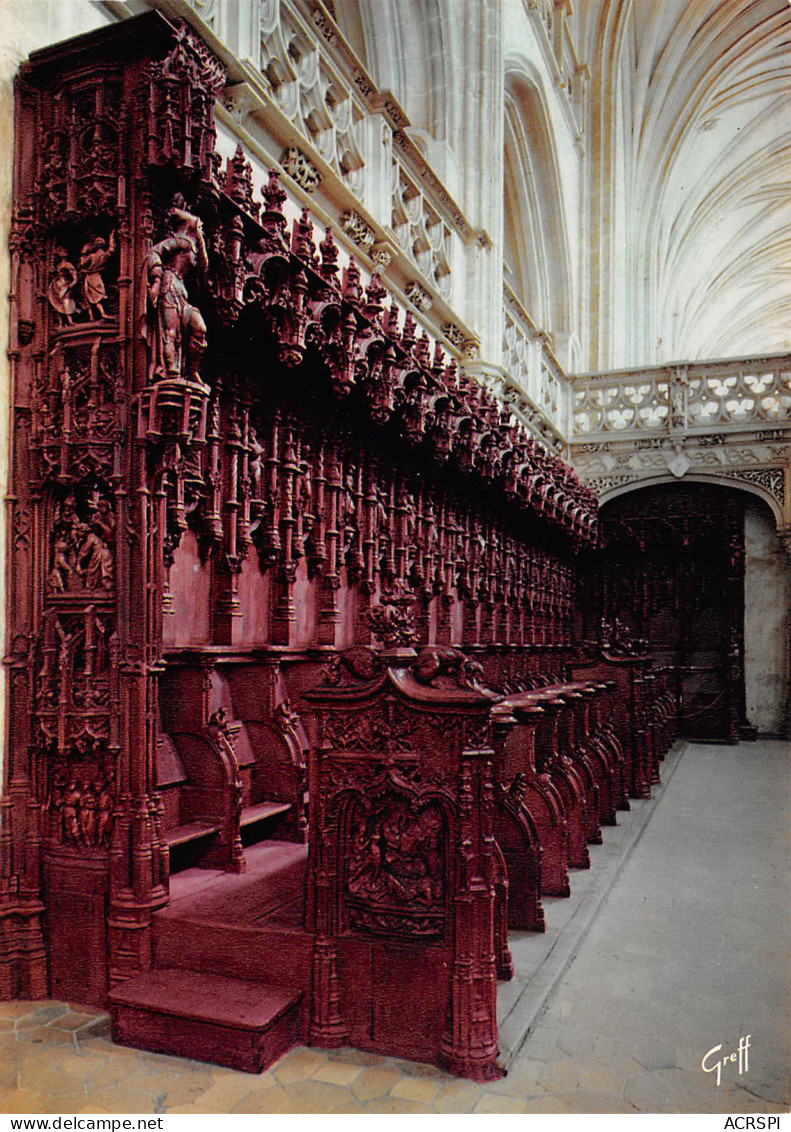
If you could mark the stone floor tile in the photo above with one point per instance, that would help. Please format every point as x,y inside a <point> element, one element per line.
<point>391,1105</point>
<point>126,1100</point>
<point>45,1035</point>
<point>546,1105</point>
<point>582,1101</point>
<point>420,1069</point>
<point>108,1076</point>
<point>298,1064</point>
<point>55,1077</point>
<point>273,1098</point>
<point>521,1080</point>
<point>654,1054</point>
<point>336,1073</point>
<point>32,1100</point>
<point>575,1039</point>
<point>375,1081</point>
<point>218,1096</point>
<point>458,1096</point>
<point>9,1073</point>
<point>647,1092</point>
<point>312,1096</point>
<point>75,1020</point>
<point>18,1010</point>
<point>182,1089</point>
<point>544,1048</point>
<point>559,1076</point>
<point>600,1075</point>
<point>46,1012</point>
<point>351,1106</point>
<point>490,1102</point>
<point>356,1056</point>
<point>422,1089</point>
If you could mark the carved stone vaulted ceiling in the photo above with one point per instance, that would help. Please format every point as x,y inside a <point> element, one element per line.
<point>700,93</point>
<point>688,155</point>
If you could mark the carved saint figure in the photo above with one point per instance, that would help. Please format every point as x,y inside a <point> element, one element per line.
<point>87,816</point>
<point>62,287</point>
<point>95,561</point>
<point>93,259</point>
<point>174,328</point>
<point>104,806</point>
<point>70,813</point>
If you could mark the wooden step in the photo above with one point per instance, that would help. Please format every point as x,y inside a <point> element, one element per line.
<point>278,951</point>
<point>234,1022</point>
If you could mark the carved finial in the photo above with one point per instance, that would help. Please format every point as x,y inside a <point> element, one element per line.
<point>238,182</point>
<point>422,350</point>
<point>329,256</point>
<point>352,290</point>
<point>408,333</point>
<point>274,195</point>
<point>302,238</point>
<point>374,296</point>
<point>390,323</point>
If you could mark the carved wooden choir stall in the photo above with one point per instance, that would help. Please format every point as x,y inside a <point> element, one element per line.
<point>301,719</point>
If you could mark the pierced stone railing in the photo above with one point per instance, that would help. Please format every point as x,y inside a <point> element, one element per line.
<point>724,420</point>
<point>539,389</point>
<point>696,397</point>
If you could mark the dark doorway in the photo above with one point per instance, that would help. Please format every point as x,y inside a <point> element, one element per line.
<point>672,572</point>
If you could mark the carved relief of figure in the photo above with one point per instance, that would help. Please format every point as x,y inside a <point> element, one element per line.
<point>62,567</point>
<point>84,810</point>
<point>174,328</point>
<point>95,561</point>
<point>70,813</point>
<point>103,521</point>
<point>93,259</point>
<point>397,855</point>
<point>87,815</point>
<point>104,806</point>
<point>62,287</point>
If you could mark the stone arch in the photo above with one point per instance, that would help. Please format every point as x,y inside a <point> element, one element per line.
<point>535,236</point>
<point>698,477</point>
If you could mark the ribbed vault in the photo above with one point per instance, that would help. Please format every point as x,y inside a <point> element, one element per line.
<point>692,159</point>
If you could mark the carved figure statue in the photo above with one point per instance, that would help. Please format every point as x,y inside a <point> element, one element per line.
<point>62,287</point>
<point>174,328</point>
<point>93,259</point>
<point>104,806</point>
<point>70,812</point>
<point>95,560</point>
<point>87,816</point>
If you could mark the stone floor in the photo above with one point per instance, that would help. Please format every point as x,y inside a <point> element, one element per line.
<point>680,948</point>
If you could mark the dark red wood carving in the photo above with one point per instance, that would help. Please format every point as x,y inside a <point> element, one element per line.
<point>275,565</point>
